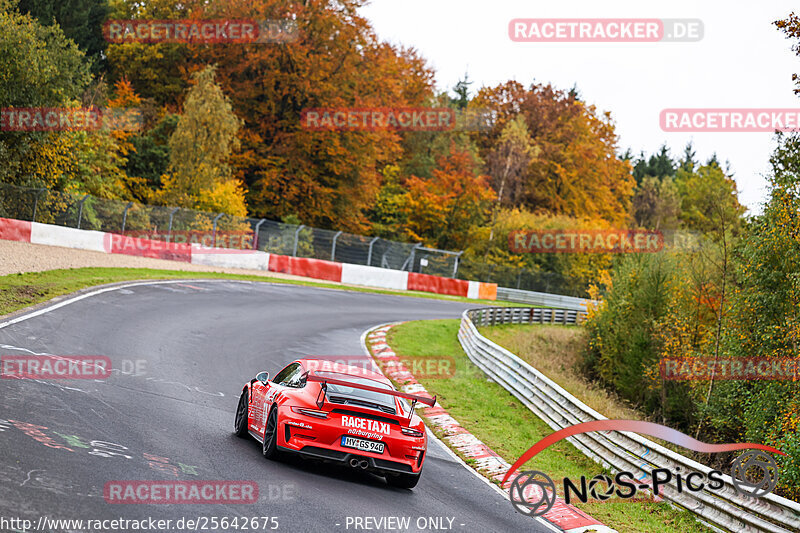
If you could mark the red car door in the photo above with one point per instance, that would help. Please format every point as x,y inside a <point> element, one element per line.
<point>263,395</point>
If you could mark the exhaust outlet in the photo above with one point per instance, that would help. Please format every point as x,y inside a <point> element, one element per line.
<point>364,464</point>
<point>354,462</point>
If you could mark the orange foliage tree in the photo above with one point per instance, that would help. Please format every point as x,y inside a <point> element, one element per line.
<point>577,172</point>
<point>444,209</point>
<point>326,178</point>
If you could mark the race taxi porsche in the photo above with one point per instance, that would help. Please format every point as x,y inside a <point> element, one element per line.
<point>336,413</point>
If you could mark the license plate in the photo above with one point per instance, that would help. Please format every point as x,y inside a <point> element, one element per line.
<point>363,445</point>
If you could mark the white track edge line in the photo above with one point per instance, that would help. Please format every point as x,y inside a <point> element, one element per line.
<point>59,305</point>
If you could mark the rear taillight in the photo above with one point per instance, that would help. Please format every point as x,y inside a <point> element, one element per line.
<point>411,432</point>
<point>310,412</point>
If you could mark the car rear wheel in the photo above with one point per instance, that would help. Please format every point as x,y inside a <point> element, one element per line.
<point>242,415</point>
<point>403,481</point>
<point>269,446</point>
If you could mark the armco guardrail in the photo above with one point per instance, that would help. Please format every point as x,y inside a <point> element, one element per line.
<point>490,316</point>
<point>726,509</point>
<point>542,298</point>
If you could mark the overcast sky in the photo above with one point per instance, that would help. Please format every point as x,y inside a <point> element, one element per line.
<point>742,61</point>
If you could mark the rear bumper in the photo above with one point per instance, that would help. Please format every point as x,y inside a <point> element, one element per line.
<point>321,440</point>
<point>377,465</point>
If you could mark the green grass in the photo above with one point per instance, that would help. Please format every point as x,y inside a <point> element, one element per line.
<point>18,291</point>
<point>498,419</point>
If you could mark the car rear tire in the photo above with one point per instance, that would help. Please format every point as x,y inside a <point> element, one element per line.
<point>269,446</point>
<point>403,481</point>
<point>242,422</point>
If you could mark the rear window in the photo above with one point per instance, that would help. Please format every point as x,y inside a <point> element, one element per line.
<point>352,392</point>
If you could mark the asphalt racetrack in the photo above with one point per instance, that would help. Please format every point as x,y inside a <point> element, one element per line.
<point>183,350</point>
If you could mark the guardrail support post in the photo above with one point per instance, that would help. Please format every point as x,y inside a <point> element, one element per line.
<point>255,233</point>
<point>125,216</point>
<point>333,247</point>
<point>296,237</point>
<point>214,238</point>
<point>369,254</point>
<point>169,231</point>
<point>36,203</point>
<point>80,210</point>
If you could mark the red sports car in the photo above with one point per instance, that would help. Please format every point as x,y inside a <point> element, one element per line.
<point>336,413</point>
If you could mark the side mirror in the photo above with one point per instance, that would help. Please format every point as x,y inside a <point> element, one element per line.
<point>263,377</point>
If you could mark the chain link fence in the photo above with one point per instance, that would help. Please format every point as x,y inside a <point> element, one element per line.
<point>523,279</point>
<point>215,229</point>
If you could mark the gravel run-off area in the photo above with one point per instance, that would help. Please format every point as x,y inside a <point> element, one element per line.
<point>16,257</point>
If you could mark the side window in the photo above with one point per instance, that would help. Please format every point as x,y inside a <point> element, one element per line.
<point>285,374</point>
<point>296,379</point>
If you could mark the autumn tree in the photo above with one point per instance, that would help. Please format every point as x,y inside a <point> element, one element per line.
<point>656,203</point>
<point>577,171</point>
<point>443,210</point>
<point>790,26</point>
<point>157,71</point>
<point>328,178</point>
<point>508,163</point>
<point>61,74</point>
<point>80,20</point>
<point>709,198</point>
<point>200,148</point>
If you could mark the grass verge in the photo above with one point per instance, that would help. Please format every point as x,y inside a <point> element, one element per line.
<point>498,419</point>
<point>18,291</point>
<point>555,352</point>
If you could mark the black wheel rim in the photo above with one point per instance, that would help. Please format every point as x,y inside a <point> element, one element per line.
<point>241,412</point>
<point>269,432</point>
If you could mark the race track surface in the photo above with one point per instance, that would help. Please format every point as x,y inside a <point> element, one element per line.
<point>195,344</point>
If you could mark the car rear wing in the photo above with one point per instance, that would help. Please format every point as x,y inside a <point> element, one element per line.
<point>325,380</point>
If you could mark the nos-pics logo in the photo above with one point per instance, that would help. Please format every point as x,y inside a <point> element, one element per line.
<point>533,493</point>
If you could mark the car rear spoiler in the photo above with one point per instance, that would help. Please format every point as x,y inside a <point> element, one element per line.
<point>320,401</point>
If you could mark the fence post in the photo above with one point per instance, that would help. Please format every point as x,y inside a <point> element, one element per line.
<point>410,259</point>
<point>36,203</point>
<point>455,267</point>
<point>333,247</point>
<point>214,238</point>
<point>297,236</point>
<point>255,231</point>
<point>125,216</point>
<point>80,210</point>
<point>169,231</point>
<point>369,254</point>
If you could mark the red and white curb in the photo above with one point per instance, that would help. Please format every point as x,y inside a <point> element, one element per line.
<point>565,517</point>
